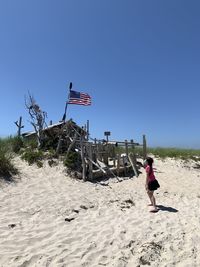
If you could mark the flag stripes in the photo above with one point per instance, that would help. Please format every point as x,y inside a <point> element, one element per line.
<point>79,98</point>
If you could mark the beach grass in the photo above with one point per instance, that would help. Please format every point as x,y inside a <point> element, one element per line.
<point>7,145</point>
<point>177,153</point>
<point>166,152</point>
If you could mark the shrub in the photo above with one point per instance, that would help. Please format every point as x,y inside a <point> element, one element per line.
<point>11,144</point>
<point>6,166</point>
<point>31,143</point>
<point>73,161</point>
<point>32,156</point>
<point>51,153</point>
<point>17,144</point>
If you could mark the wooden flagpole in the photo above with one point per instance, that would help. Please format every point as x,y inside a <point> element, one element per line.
<point>63,120</point>
<point>66,105</point>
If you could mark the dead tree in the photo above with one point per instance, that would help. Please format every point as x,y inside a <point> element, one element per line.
<point>19,126</point>
<point>37,118</point>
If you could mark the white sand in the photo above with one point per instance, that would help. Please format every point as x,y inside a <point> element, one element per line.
<point>105,230</point>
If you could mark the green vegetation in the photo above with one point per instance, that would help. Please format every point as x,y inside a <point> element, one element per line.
<point>33,156</point>
<point>180,153</point>
<point>28,151</point>
<point>16,144</point>
<point>73,161</point>
<point>177,153</point>
<point>7,145</point>
<point>6,166</point>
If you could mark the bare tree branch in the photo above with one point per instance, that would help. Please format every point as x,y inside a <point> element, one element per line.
<point>37,117</point>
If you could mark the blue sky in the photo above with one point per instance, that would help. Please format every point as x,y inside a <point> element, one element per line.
<point>138,59</point>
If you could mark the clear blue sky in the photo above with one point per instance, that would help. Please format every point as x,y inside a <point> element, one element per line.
<point>138,59</point>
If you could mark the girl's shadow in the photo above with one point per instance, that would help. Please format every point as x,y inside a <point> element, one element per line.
<point>163,208</point>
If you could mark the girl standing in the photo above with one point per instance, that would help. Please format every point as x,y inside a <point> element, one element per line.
<point>151,183</point>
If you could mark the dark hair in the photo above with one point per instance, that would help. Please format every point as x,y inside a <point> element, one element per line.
<point>149,161</point>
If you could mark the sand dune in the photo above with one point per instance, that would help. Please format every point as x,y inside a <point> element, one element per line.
<point>49,219</point>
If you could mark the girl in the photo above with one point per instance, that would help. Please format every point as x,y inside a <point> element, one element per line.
<point>151,182</point>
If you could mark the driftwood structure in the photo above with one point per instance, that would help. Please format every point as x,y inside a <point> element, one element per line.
<point>99,158</point>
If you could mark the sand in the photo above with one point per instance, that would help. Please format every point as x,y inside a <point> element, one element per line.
<point>50,219</point>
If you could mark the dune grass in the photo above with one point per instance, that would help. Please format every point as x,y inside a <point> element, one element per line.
<point>180,153</point>
<point>166,152</point>
<point>7,147</point>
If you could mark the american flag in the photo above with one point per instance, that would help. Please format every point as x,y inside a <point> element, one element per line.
<point>79,98</point>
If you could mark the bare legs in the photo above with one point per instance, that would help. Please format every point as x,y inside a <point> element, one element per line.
<point>153,200</point>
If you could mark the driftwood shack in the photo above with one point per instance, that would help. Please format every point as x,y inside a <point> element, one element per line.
<point>99,158</point>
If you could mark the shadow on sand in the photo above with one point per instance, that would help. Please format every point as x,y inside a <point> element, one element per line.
<point>169,209</point>
<point>8,178</point>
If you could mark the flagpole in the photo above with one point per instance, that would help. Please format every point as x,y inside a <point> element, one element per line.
<point>66,105</point>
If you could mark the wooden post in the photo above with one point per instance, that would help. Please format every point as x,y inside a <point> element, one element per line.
<point>144,147</point>
<point>105,154</point>
<point>126,147</point>
<point>83,160</point>
<point>88,133</point>
<point>72,143</point>
<point>59,145</point>
<point>118,163</point>
<point>133,149</point>
<point>114,157</point>
<point>124,166</point>
<point>19,126</point>
<point>133,163</point>
<point>60,140</point>
<point>90,163</point>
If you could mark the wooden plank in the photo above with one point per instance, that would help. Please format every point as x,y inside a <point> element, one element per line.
<point>114,171</point>
<point>99,167</point>
<point>83,161</point>
<point>133,164</point>
<point>88,130</point>
<point>90,163</point>
<point>144,147</point>
<point>122,143</point>
<point>118,163</point>
<point>124,165</point>
<point>105,155</point>
<point>72,143</point>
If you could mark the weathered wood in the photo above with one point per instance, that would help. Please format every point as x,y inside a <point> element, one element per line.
<point>90,163</point>
<point>126,148</point>
<point>19,126</point>
<point>114,157</point>
<point>83,161</point>
<point>118,163</point>
<point>116,172</point>
<point>133,163</point>
<point>122,143</point>
<point>99,167</point>
<point>72,143</point>
<point>144,147</point>
<point>61,132</point>
<point>59,145</point>
<point>133,151</point>
<point>105,155</point>
<point>88,130</point>
<point>124,165</point>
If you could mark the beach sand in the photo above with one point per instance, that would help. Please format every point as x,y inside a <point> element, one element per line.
<point>50,219</point>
